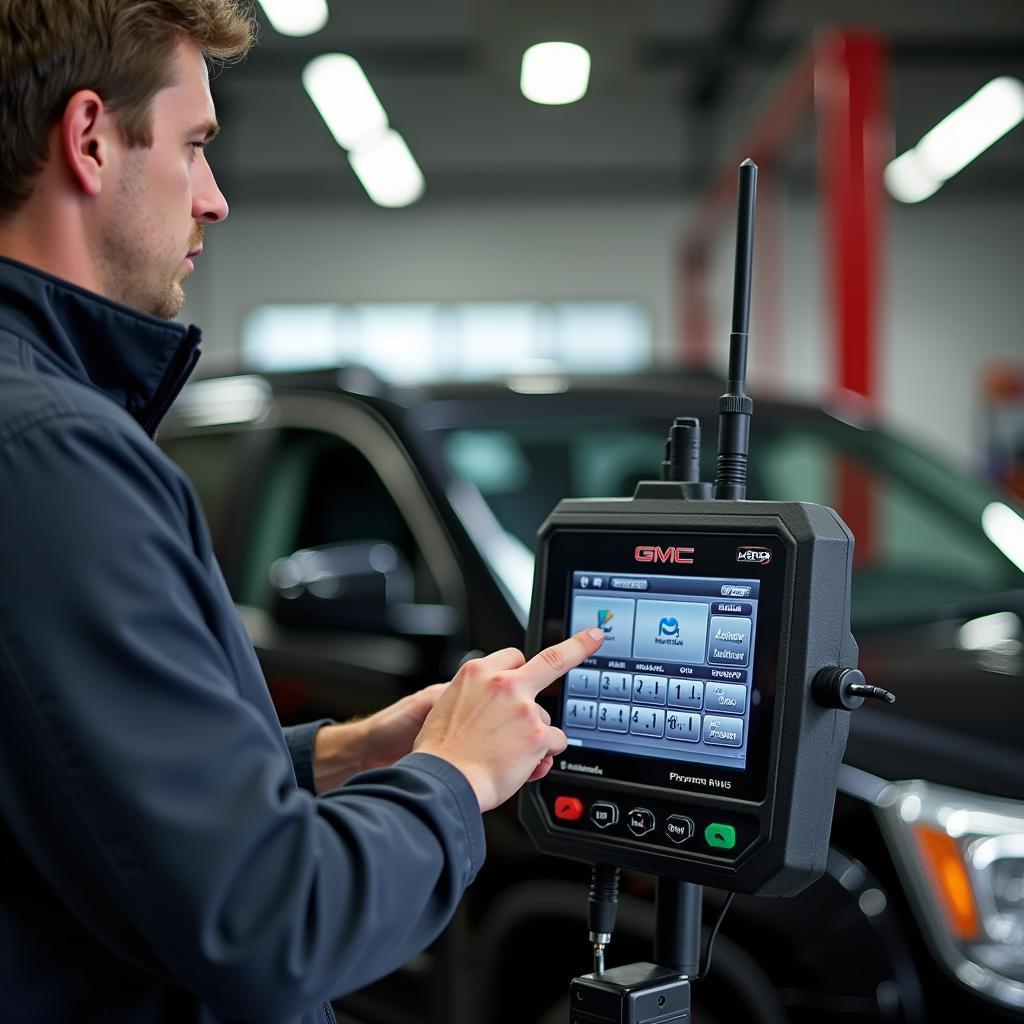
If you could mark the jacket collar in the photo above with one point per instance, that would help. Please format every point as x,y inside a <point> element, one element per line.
<point>139,361</point>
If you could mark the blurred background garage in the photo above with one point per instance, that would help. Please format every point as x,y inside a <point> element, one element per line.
<point>447,298</point>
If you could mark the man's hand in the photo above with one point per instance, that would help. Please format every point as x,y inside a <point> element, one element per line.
<point>341,751</point>
<point>488,724</point>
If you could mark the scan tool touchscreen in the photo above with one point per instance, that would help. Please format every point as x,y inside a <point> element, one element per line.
<point>673,677</point>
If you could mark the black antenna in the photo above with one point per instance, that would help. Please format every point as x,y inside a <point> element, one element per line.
<point>735,406</point>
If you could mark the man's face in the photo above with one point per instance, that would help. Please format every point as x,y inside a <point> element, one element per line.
<point>163,197</point>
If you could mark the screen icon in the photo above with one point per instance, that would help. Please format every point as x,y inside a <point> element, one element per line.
<point>599,582</point>
<point>584,582</point>
<point>604,618</point>
<point>668,626</point>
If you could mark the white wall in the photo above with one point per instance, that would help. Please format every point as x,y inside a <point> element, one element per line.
<point>442,253</point>
<point>953,272</point>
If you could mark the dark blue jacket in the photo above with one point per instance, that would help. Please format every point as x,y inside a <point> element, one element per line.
<point>164,858</point>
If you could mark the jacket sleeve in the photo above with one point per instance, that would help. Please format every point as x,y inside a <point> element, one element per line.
<point>300,740</point>
<point>150,794</point>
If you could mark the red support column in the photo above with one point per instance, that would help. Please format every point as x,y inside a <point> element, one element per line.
<point>694,314</point>
<point>845,73</point>
<point>854,146</point>
<point>766,353</point>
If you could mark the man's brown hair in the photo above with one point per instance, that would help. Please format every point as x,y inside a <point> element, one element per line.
<point>122,49</point>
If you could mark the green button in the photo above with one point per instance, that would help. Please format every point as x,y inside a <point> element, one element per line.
<point>722,836</point>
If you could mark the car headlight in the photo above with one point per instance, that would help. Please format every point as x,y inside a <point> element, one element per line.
<point>962,858</point>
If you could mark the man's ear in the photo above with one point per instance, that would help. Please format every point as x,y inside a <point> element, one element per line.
<point>87,132</point>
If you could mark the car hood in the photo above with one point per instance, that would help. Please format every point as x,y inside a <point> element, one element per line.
<point>958,717</point>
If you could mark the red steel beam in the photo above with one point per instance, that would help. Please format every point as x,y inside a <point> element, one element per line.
<point>842,79</point>
<point>853,146</point>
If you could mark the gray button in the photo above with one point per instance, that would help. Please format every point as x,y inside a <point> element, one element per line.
<point>613,717</point>
<point>676,630</point>
<point>616,685</point>
<point>728,640</point>
<point>604,813</point>
<point>724,697</point>
<point>650,689</point>
<point>723,732</point>
<point>647,722</point>
<point>582,714</point>
<point>679,828</point>
<point>686,693</point>
<point>682,725</point>
<point>640,821</point>
<point>583,682</point>
<point>614,615</point>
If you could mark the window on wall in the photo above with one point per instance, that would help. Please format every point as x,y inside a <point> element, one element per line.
<point>411,342</point>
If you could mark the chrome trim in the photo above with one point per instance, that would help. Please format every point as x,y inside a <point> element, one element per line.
<point>861,785</point>
<point>227,401</point>
<point>502,552</point>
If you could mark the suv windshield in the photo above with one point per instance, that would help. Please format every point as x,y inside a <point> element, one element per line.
<point>920,549</point>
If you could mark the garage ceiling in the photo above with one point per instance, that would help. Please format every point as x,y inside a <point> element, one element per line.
<point>674,83</point>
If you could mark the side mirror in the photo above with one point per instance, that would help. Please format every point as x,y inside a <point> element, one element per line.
<point>366,586</point>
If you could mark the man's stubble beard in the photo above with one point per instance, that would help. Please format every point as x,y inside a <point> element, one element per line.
<point>131,272</point>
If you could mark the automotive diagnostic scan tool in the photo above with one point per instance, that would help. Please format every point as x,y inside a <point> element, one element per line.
<point>705,736</point>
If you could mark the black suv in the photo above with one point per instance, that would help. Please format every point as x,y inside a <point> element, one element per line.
<point>375,537</point>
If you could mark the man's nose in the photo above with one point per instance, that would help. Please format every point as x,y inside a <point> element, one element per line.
<point>208,202</point>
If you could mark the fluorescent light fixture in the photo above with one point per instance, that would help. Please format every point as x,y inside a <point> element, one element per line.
<point>387,170</point>
<point>296,17</point>
<point>956,140</point>
<point>555,73</point>
<point>342,93</point>
<point>968,131</point>
<point>1005,529</point>
<point>908,181</point>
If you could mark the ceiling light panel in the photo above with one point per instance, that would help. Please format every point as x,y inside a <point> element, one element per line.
<point>968,131</point>
<point>388,171</point>
<point>956,140</point>
<point>296,17</point>
<point>342,93</point>
<point>908,181</point>
<point>555,73</point>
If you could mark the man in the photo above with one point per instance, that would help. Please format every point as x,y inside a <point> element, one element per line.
<point>170,854</point>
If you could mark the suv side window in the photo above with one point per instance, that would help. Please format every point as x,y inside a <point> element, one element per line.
<point>207,459</point>
<point>321,490</point>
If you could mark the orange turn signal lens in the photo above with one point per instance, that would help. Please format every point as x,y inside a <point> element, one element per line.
<point>949,878</point>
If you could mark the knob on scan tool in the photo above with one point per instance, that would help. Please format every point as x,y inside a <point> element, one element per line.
<point>705,736</point>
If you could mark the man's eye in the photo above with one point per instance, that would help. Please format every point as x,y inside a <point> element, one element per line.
<point>198,146</point>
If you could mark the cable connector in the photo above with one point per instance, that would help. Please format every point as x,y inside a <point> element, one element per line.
<point>602,909</point>
<point>847,689</point>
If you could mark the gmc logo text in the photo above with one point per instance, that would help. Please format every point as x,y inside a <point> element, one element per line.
<point>678,556</point>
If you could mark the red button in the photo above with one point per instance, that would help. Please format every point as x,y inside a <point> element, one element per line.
<point>568,808</point>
